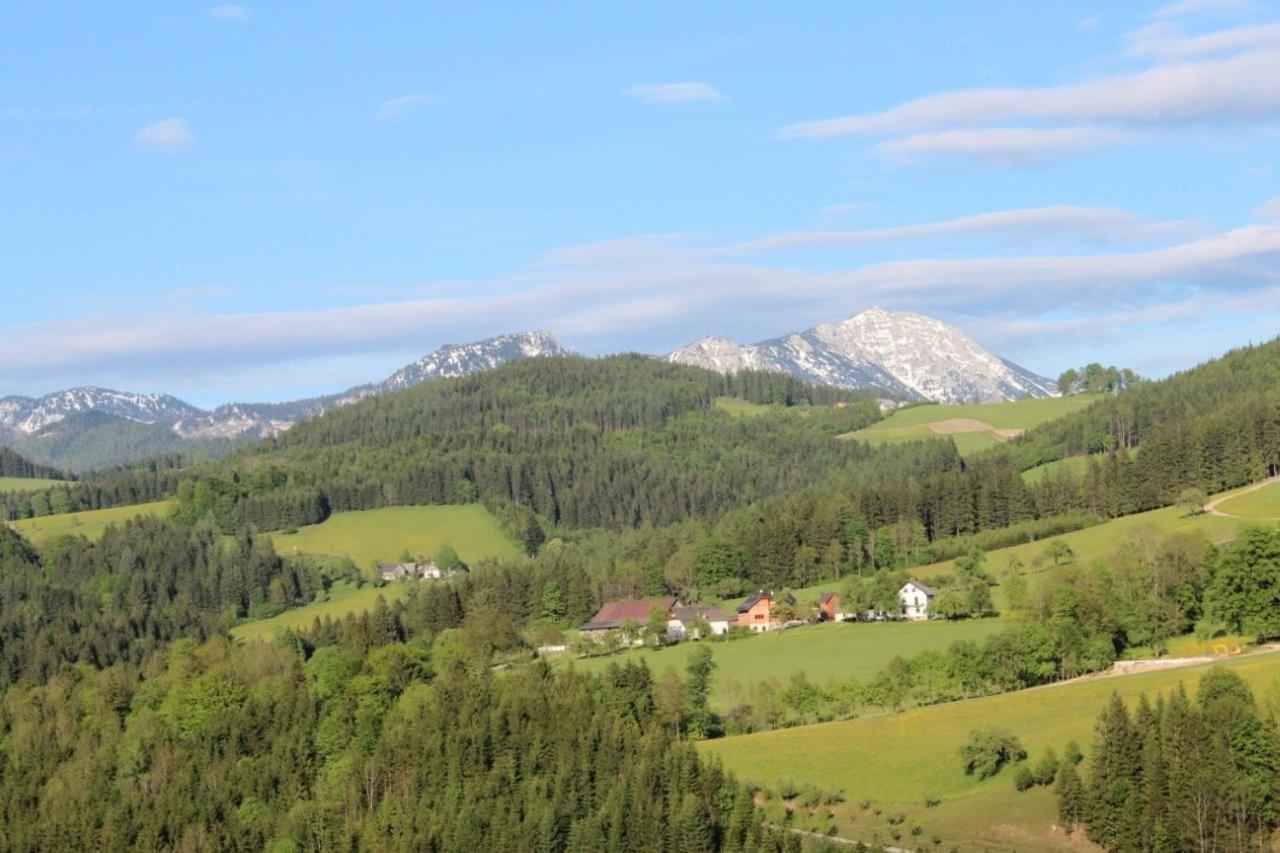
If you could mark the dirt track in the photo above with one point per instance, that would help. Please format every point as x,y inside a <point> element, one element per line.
<point>1212,506</point>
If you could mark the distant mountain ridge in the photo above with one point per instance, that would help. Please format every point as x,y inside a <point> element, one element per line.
<point>903,353</point>
<point>34,423</point>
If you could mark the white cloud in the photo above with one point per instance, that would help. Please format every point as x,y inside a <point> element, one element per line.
<point>676,93</point>
<point>1183,8</point>
<point>1240,87</point>
<point>1089,23</point>
<point>660,292</point>
<point>230,13</point>
<point>1001,146</point>
<point>1057,222</point>
<point>1269,209</point>
<point>169,136</point>
<point>402,106</point>
<point>1168,42</point>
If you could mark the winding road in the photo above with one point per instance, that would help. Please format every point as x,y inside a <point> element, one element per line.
<point>1212,506</point>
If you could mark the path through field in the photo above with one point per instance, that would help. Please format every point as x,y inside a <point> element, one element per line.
<point>1212,506</point>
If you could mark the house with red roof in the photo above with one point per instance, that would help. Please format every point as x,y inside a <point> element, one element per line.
<point>613,614</point>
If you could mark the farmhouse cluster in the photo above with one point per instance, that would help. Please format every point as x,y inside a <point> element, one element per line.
<point>403,571</point>
<point>763,611</point>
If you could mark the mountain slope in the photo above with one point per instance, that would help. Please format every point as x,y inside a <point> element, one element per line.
<point>903,353</point>
<point>84,428</point>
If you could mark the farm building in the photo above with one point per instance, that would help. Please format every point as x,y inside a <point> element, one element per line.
<point>400,571</point>
<point>758,612</point>
<point>829,608</point>
<point>613,614</point>
<point>685,619</point>
<point>913,600</point>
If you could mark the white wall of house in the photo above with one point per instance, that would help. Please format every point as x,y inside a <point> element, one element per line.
<point>913,601</point>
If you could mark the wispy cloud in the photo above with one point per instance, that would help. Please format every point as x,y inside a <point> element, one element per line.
<point>1227,79</point>
<point>676,93</point>
<point>1269,209</point>
<point>1063,223</point>
<point>1001,146</point>
<point>168,136</point>
<point>230,13</point>
<point>395,108</point>
<point>663,290</point>
<point>1185,8</point>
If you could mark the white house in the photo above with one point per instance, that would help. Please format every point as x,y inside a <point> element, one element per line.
<point>682,621</point>
<point>913,600</point>
<point>400,571</point>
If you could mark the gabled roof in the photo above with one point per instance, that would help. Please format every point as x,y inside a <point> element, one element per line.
<point>688,615</point>
<point>614,613</point>
<point>761,595</point>
<point>827,596</point>
<point>926,590</point>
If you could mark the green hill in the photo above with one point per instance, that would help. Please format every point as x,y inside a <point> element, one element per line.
<point>90,523</point>
<point>26,484</point>
<point>897,760</point>
<point>382,535</point>
<point>973,427</point>
<point>821,652</point>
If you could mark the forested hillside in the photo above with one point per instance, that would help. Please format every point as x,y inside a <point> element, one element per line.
<point>14,465</point>
<point>88,441</point>
<point>1216,425</point>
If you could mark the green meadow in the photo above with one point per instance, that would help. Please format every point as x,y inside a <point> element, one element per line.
<point>897,760</point>
<point>823,652</point>
<point>974,426</point>
<point>91,523</point>
<point>1262,504</point>
<point>382,535</point>
<point>27,484</point>
<point>344,597</point>
<point>734,406</point>
<point>1099,541</point>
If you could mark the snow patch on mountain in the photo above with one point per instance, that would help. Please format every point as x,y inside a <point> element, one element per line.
<point>22,416</point>
<point>903,353</point>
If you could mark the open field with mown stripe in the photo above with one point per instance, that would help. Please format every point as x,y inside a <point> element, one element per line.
<point>344,598</point>
<point>822,652</point>
<point>27,484</point>
<point>90,523</point>
<point>1098,541</point>
<point>974,426</point>
<point>896,760</point>
<point>1262,504</point>
<point>382,535</point>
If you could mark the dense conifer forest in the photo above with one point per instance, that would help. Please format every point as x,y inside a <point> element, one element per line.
<point>14,465</point>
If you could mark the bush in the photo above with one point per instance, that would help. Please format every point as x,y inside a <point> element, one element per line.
<point>1047,769</point>
<point>1072,753</point>
<point>931,800</point>
<point>988,750</point>
<point>1023,778</point>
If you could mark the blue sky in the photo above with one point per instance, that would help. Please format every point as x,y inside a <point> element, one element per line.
<point>264,201</point>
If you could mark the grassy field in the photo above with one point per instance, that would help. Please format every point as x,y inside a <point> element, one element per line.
<point>1262,504</point>
<point>1077,465</point>
<point>26,484</point>
<point>822,652</point>
<point>896,760</point>
<point>344,598</point>
<point>90,524</point>
<point>382,535</point>
<point>1098,541</point>
<point>734,406</point>
<point>973,427</point>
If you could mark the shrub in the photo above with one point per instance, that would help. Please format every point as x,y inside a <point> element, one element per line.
<point>1023,778</point>
<point>931,800</point>
<point>988,750</point>
<point>1047,769</point>
<point>1072,753</point>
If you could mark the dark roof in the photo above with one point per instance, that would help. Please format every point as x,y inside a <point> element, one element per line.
<point>689,615</point>
<point>614,613</point>
<point>764,593</point>
<point>926,590</point>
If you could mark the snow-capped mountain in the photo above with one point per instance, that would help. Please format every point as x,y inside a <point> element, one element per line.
<point>25,416</point>
<point>903,353</point>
